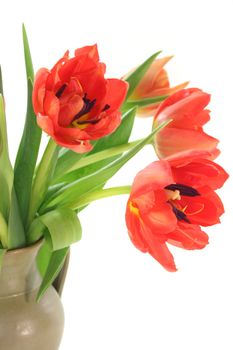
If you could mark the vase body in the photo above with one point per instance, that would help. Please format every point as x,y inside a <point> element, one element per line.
<point>24,323</point>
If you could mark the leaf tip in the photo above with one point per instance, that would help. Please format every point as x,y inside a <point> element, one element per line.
<point>156,54</point>
<point>23,28</point>
<point>39,296</point>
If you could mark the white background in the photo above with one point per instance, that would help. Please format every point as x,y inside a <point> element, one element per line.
<point>116,297</point>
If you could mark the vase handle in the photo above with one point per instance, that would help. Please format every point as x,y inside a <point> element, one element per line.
<point>59,282</point>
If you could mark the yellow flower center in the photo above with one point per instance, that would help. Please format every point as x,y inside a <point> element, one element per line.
<point>133,209</point>
<point>173,195</point>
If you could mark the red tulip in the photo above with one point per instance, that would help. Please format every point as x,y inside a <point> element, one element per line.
<point>187,110</point>
<point>73,101</point>
<point>154,83</point>
<point>169,202</point>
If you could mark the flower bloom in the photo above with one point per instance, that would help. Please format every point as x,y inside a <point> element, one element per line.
<point>154,83</point>
<point>187,110</point>
<point>169,202</point>
<point>73,101</point>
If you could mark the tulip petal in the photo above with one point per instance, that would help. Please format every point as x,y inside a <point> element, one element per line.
<point>170,141</point>
<point>188,236</point>
<point>91,51</point>
<point>186,102</point>
<point>116,93</point>
<point>182,158</point>
<point>190,122</point>
<point>67,70</point>
<point>94,84</point>
<point>161,220</point>
<point>77,146</point>
<point>155,78</point>
<point>134,229</point>
<point>51,105</point>
<point>151,110</point>
<point>38,94</point>
<point>54,78</point>
<point>214,198</point>
<point>201,172</point>
<point>106,125</point>
<point>69,109</point>
<point>71,134</point>
<point>45,123</point>
<point>145,241</point>
<point>155,176</point>
<point>202,210</point>
<point>159,251</point>
<point>168,91</point>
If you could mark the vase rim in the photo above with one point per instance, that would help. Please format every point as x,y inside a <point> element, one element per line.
<point>19,250</point>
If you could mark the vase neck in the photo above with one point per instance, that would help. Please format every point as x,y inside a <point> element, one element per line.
<point>19,274</point>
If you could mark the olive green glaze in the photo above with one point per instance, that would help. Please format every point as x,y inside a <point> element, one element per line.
<point>24,323</point>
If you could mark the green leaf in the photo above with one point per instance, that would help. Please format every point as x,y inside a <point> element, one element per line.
<point>71,192</point>
<point>135,77</point>
<point>55,264</point>
<point>119,137</point>
<point>1,83</point>
<point>43,257</point>
<point>5,193</point>
<point>3,231</point>
<point>96,161</point>
<point>6,172</point>
<point>36,231</point>
<point>52,190</point>
<point>8,203</point>
<point>65,163</point>
<point>99,194</point>
<point>27,55</point>
<point>2,253</point>
<point>144,102</point>
<point>30,142</point>
<point>69,159</point>
<point>27,157</point>
<point>63,227</point>
<point>16,233</point>
<point>42,179</point>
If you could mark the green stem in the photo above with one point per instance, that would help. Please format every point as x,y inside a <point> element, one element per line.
<point>98,194</point>
<point>142,103</point>
<point>3,232</point>
<point>42,178</point>
<point>35,231</point>
<point>6,172</point>
<point>96,157</point>
<point>2,253</point>
<point>71,191</point>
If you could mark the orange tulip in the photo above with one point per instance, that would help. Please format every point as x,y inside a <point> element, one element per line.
<point>169,201</point>
<point>154,83</point>
<point>74,102</point>
<point>185,132</point>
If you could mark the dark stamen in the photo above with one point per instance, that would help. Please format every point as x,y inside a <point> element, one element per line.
<point>179,214</point>
<point>92,121</point>
<point>106,107</point>
<point>184,190</point>
<point>88,105</point>
<point>60,91</point>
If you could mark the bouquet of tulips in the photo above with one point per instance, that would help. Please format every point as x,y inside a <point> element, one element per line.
<point>89,119</point>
